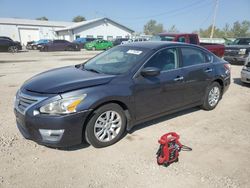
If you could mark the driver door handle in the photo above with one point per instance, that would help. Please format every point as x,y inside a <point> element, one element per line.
<point>208,70</point>
<point>179,78</point>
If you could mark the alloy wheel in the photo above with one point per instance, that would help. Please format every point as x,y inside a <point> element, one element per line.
<point>214,96</point>
<point>107,126</point>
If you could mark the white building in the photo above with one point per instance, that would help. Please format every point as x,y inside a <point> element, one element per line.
<point>101,28</point>
<point>25,30</point>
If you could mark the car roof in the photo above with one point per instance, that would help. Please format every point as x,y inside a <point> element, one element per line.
<point>155,44</point>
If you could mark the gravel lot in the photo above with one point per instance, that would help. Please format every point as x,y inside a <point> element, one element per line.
<point>219,138</point>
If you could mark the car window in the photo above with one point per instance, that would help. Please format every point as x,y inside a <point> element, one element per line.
<point>181,39</point>
<point>191,56</point>
<point>244,41</point>
<point>166,59</point>
<point>193,39</point>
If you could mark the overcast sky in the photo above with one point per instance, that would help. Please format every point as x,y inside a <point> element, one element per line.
<point>186,15</point>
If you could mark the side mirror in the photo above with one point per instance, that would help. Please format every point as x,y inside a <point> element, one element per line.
<point>150,71</point>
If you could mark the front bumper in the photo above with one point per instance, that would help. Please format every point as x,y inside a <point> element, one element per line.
<point>245,76</point>
<point>236,59</point>
<point>72,125</point>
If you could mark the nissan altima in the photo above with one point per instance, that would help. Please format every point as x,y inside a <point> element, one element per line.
<point>96,102</point>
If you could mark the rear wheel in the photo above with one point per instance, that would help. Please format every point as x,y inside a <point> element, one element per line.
<point>106,126</point>
<point>13,49</point>
<point>212,97</point>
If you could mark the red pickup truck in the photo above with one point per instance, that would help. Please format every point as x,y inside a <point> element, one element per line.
<point>217,49</point>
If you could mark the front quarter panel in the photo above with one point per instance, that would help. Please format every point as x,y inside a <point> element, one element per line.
<point>102,94</point>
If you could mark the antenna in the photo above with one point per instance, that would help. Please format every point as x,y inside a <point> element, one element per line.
<point>214,18</point>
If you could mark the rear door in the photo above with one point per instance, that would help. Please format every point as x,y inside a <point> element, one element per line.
<point>158,94</point>
<point>198,72</point>
<point>4,44</point>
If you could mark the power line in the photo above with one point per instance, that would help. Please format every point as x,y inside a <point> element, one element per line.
<point>164,13</point>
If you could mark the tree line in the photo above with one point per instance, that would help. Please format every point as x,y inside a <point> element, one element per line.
<point>238,29</point>
<point>75,19</point>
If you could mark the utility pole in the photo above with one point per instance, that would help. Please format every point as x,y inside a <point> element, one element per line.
<point>214,18</point>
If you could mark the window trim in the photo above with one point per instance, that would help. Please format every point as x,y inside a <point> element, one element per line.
<point>195,48</point>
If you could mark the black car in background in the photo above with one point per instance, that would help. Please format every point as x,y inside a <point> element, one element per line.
<point>7,45</point>
<point>129,84</point>
<point>119,41</point>
<point>60,45</point>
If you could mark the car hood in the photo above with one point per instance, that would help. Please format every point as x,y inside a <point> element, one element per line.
<point>236,47</point>
<point>65,79</point>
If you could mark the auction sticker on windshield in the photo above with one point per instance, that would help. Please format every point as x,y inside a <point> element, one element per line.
<point>135,52</point>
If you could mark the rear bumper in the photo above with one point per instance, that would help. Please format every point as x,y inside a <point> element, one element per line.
<point>64,131</point>
<point>245,76</point>
<point>227,82</point>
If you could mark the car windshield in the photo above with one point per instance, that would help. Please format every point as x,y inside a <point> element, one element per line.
<point>244,41</point>
<point>163,38</point>
<point>117,60</point>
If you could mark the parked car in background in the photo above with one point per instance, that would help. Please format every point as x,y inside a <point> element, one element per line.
<point>119,41</point>
<point>129,84</point>
<point>82,41</point>
<point>99,45</point>
<point>134,40</point>
<point>15,43</point>
<point>7,45</point>
<point>38,44</point>
<point>60,45</point>
<point>238,51</point>
<point>217,49</point>
<point>4,37</point>
<point>245,73</point>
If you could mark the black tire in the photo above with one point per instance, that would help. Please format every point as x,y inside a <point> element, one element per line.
<point>44,49</point>
<point>206,105</point>
<point>90,128</point>
<point>34,47</point>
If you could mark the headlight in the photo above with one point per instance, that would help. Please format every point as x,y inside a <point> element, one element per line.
<point>242,51</point>
<point>63,106</point>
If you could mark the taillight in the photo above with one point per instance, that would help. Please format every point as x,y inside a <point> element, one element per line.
<point>227,66</point>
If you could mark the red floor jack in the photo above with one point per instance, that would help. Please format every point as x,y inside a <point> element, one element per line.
<point>169,149</point>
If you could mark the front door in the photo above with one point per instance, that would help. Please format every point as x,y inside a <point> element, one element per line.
<point>162,93</point>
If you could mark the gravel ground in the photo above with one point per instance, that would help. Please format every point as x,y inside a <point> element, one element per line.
<point>219,138</point>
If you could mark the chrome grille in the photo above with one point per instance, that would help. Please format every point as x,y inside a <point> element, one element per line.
<point>24,101</point>
<point>231,52</point>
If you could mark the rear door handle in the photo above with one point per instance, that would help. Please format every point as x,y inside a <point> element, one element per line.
<point>208,70</point>
<point>178,78</point>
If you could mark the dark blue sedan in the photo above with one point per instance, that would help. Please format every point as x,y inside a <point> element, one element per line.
<point>98,101</point>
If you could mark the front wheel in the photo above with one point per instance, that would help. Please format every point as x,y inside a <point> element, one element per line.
<point>13,49</point>
<point>106,126</point>
<point>212,96</point>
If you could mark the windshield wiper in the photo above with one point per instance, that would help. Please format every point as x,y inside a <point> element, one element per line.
<point>92,70</point>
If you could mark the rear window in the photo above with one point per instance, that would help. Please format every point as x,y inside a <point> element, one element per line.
<point>192,56</point>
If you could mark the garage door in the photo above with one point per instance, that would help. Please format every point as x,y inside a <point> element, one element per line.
<point>28,35</point>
